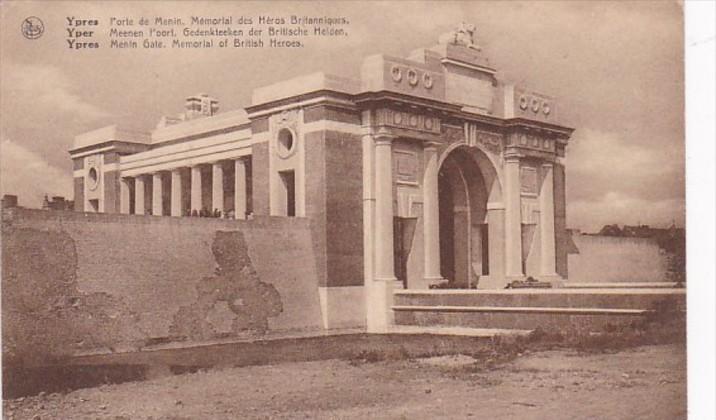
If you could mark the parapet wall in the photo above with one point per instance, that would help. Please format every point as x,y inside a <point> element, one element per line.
<point>82,282</point>
<point>607,259</point>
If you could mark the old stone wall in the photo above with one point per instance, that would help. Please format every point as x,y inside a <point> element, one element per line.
<point>606,259</point>
<point>80,282</point>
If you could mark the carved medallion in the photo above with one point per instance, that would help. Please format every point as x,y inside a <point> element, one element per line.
<point>396,73</point>
<point>427,81</point>
<point>412,77</point>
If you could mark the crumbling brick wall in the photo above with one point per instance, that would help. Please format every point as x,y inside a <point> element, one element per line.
<point>78,282</point>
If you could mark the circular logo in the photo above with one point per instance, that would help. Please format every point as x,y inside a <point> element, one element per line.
<point>32,27</point>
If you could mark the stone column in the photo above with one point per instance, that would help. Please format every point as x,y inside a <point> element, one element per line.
<point>139,206</point>
<point>217,187</point>
<point>431,215</point>
<point>379,290</point>
<point>384,264</point>
<point>368,207</point>
<point>196,199</point>
<point>240,199</point>
<point>513,218</point>
<point>157,204</point>
<point>546,223</point>
<point>176,206</point>
<point>496,246</point>
<point>124,195</point>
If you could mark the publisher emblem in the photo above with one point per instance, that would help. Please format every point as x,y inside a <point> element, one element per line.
<point>32,27</point>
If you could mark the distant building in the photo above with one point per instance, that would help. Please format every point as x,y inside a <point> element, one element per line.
<point>671,239</point>
<point>57,203</point>
<point>9,201</point>
<point>611,230</point>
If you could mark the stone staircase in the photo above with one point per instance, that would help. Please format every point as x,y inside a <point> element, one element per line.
<point>527,309</point>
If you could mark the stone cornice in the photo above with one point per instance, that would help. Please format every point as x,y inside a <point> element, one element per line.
<point>387,98</point>
<point>323,96</point>
<point>110,145</point>
<point>471,66</point>
<point>199,135</point>
<point>559,130</point>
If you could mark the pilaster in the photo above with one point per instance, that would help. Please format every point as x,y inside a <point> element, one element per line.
<point>513,219</point>
<point>431,214</point>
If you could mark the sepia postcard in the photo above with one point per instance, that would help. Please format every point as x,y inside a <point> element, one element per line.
<point>353,210</point>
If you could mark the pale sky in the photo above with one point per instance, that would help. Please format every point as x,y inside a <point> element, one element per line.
<point>616,69</point>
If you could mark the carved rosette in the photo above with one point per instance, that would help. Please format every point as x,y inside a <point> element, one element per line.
<point>532,143</point>
<point>409,120</point>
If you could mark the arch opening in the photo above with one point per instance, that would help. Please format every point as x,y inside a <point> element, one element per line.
<point>464,189</point>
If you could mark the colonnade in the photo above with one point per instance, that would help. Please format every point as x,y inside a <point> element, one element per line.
<point>137,185</point>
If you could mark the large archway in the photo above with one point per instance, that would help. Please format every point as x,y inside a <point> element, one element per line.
<point>464,191</point>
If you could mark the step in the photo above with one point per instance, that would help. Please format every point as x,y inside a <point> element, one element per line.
<point>546,318</point>
<point>454,331</point>
<point>521,310</point>
<point>635,285</point>
<point>542,298</point>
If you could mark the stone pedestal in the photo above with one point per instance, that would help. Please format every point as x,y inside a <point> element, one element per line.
<point>379,299</point>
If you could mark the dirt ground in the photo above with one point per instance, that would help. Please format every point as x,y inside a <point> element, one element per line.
<point>641,383</point>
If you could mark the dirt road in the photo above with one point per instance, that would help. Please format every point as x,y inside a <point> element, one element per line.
<point>642,383</point>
